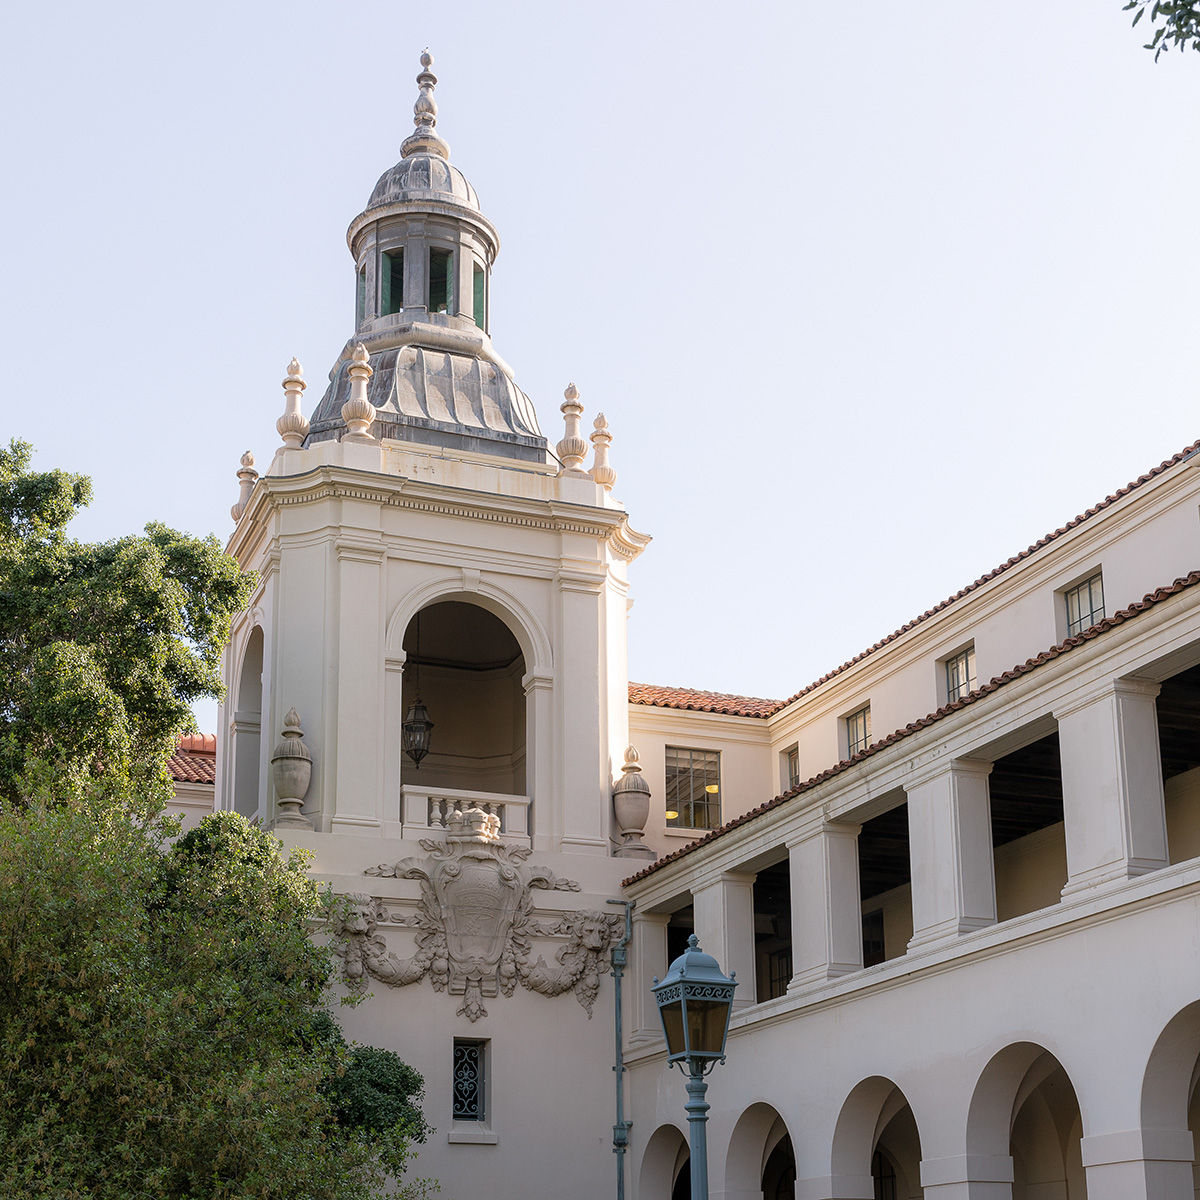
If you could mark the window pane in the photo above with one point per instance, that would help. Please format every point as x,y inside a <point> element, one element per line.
<point>478,297</point>
<point>1085,605</point>
<point>441,281</point>
<point>468,1080</point>
<point>360,301</point>
<point>391,283</point>
<point>693,788</point>
<point>858,731</point>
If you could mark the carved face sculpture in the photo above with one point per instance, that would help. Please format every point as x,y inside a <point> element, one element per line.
<point>360,916</point>
<point>593,933</point>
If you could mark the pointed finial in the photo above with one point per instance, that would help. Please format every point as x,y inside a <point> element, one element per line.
<point>632,759</point>
<point>293,425</point>
<point>423,139</point>
<point>247,477</point>
<point>358,412</point>
<point>601,472</point>
<point>572,450</point>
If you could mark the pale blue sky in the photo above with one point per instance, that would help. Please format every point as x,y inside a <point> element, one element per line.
<point>873,295</point>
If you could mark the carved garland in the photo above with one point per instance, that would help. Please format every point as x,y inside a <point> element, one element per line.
<point>475,923</point>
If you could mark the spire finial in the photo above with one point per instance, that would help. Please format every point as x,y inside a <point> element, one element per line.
<point>247,477</point>
<point>602,472</point>
<point>358,412</point>
<point>293,425</point>
<point>572,449</point>
<point>423,139</point>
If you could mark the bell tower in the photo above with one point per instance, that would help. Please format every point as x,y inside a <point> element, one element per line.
<point>442,596</point>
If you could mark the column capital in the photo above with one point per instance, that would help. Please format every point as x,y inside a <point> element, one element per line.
<point>1103,690</point>
<point>1137,1145</point>
<point>967,1168</point>
<point>976,768</point>
<point>828,828</point>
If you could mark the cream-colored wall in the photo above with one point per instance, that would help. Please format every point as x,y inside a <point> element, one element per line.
<point>1144,541</point>
<point>1183,815</point>
<point>1031,872</point>
<point>748,769</point>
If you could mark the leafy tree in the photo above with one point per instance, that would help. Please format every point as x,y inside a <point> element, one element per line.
<point>164,1029</point>
<point>103,648</point>
<point>1180,27</point>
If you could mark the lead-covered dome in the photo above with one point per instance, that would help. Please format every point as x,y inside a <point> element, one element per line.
<point>425,176</point>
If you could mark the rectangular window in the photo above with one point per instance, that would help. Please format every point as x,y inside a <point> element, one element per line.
<point>793,767</point>
<point>693,788</point>
<point>360,303</point>
<point>480,303</point>
<point>779,973</point>
<point>470,1088</point>
<point>392,283</point>
<point>858,731</point>
<point>960,675</point>
<point>1085,605</point>
<point>874,949</point>
<point>441,280</point>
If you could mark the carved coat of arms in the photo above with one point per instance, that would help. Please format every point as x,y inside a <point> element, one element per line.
<point>475,923</point>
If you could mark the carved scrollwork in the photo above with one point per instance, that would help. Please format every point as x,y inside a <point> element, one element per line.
<point>475,925</point>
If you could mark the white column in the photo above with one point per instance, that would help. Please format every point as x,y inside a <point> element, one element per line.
<point>826,904</point>
<point>393,720</point>
<point>724,913</point>
<point>1112,784</point>
<point>647,960</point>
<point>836,1187</point>
<point>539,760</point>
<point>584,796</point>
<point>950,848</point>
<point>360,690</point>
<point>968,1177</point>
<point>1139,1164</point>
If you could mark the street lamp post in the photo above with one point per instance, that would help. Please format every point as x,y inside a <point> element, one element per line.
<point>694,1002</point>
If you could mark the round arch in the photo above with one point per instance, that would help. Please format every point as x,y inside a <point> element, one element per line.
<point>664,1156</point>
<point>866,1112</point>
<point>1169,1080</point>
<point>755,1135</point>
<point>1003,1085</point>
<point>249,687</point>
<point>525,627</point>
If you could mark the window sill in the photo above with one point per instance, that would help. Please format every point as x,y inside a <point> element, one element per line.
<point>466,1136</point>
<point>678,831</point>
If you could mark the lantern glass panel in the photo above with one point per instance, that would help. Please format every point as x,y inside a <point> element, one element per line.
<point>672,1019</point>
<point>706,1025</point>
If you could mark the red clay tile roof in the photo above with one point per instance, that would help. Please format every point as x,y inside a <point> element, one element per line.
<point>714,702</point>
<point>195,759</point>
<point>1126,614</point>
<point>748,706</point>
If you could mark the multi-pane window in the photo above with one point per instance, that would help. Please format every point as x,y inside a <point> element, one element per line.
<point>469,1083</point>
<point>479,297</point>
<point>360,300</point>
<point>793,767</point>
<point>858,731</point>
<point>441,280</point>
<point>1085,605</point>
<point>693,788</point>
<point>391,283</point>
<point>960,675</point>
<point>779,973</point>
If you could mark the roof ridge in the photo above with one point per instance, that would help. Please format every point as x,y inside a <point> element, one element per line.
<point>994,684</point>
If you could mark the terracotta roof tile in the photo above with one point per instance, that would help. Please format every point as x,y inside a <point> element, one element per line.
<point>195,759</point>
<point>1101,627</point>
<point>749,706</point>
<point>689,698</point>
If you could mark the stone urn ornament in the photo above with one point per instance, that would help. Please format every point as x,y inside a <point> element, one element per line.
<point>631,807</point>
<point>291,771</point>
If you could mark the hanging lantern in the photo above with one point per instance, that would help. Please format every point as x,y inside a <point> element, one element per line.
<point>415,732</point>
<point>417,725</point>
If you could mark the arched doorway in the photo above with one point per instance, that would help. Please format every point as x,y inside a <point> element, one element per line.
<point>247,726</point>
<point>664,1170</point>
<point>760,1156</point>
<point>1170,1105</point>
<point>1025,1107</point>
<point>468,667</point>
<point>876,1142</point>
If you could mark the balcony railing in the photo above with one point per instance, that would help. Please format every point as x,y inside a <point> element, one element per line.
<point>425,812</point>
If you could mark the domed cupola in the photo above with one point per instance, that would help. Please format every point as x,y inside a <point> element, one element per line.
<point>423,254</point>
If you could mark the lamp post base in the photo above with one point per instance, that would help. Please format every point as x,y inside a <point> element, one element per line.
<point>697,1111</point>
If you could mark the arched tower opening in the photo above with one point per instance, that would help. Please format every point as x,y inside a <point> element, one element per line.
<point>247,727</point>
<point>467,668</point>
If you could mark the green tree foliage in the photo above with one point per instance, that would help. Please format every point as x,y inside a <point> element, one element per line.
<point>164,1029</point>
<point>103,648</point>
<point>1180,23</point>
